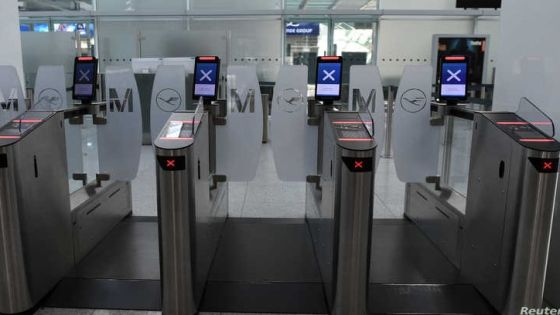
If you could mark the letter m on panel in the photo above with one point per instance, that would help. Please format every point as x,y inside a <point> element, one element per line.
<point>240,107</point>
<point>359,102</point>
<point>118,104</point>
<point>11,103</point>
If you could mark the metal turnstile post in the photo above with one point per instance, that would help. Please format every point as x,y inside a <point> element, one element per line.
<point>191,210</point>
<point>35,221</point>
<point>339,210</point>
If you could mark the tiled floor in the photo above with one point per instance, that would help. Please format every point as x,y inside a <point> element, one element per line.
<point>266,196</point>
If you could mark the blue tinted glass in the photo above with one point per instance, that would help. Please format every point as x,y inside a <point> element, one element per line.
<point>41,27</point>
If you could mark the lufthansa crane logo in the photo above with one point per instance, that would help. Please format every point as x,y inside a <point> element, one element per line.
<point>291,100</point>
<point>169,100</point>
<point>413,100</point>
<point>50,98</point>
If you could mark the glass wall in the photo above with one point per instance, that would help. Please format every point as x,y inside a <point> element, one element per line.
<point>354,41</point>
<point>55,5</point>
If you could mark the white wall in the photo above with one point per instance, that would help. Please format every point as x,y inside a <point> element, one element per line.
<point>529,57</point>
<point>417,5</point>
<point>407,40</point>
<point>10,53</point>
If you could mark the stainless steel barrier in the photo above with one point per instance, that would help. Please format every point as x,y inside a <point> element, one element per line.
<point>191,219</point>
<point>192,207</point>
<point>512,197</point>
<point>339,210</point>
<point>35,224</point>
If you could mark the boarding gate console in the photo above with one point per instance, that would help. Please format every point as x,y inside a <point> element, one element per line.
<point>335,237</point>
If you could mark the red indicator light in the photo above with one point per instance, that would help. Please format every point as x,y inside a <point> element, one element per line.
<point>27,121</point>
<point>330,58</point>
<point>9,137</point>
<point>170,163</point>
<point>545,165</point>
<point>513,123</point>
<point>355,139</point>
<point>86,58</point>
<point>455,58</point>
<point>536,140</point>
<point>207,58</point>
<point>358,164</point>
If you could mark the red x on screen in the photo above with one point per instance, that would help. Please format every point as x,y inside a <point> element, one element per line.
<point>358,164</point>
<point>544,165</point>
<point>171,163</point>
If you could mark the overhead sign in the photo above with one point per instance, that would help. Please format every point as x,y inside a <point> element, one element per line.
<point>302,29</point>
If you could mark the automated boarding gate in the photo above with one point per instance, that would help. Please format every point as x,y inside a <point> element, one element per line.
<point>191,219</point>
<point>35,224</point>
<point>513,184</point>
<point>324,271</point>
<point>497,241</point>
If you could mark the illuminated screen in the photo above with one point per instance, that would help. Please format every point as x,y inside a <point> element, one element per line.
<point>454,79</point>
<point>70,27</point>
<point>474,48</point>
<point>84,80</point>
<point>206,79</point>
<point>41,27</point>
<point>329,76</point>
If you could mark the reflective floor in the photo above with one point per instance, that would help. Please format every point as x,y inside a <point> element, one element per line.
<point>265,197</point>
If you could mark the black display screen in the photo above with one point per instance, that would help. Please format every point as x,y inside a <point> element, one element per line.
<point>474,48</point>
<point>492,4</point>
<point>206,77</point>
<point>328,82</point>
<point>454,80</point>
<point>85,79</point>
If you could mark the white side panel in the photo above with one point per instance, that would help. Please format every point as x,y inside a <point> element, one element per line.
<point>294,142</point>
<point>168,96</point>
<point>239,141</point>
<point>365,82</point>
<point>415,141</point>
<point>50,95</point>
<point>120,140</point>
<point>50,89</point>
<point>10,54</point>
<point>12,99</point>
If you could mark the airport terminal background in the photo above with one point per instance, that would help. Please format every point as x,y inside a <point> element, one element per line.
<point>511,51</point>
